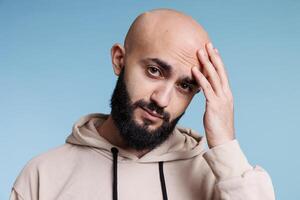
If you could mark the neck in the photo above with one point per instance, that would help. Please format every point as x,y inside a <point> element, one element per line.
<point>111,133</point>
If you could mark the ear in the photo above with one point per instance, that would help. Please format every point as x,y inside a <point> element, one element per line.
<point>117,58</point>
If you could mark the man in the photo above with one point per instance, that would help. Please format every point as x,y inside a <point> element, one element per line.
<point>138,152</point>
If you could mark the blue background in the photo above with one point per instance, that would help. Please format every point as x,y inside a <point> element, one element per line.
<point>55,67</point>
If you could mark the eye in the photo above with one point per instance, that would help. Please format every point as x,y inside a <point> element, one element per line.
<point>186,87</point>
<point>154,71</point>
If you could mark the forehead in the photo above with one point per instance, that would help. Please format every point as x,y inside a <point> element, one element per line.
<point>176,46</point>
<point>180,55</point>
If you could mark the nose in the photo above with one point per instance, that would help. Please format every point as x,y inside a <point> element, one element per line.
<point>162,95</point>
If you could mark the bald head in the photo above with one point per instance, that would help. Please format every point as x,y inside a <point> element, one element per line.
<point>165,27</point>
<point>157,60</point>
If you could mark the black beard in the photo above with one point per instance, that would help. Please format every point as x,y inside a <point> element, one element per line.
<point>134,135</point>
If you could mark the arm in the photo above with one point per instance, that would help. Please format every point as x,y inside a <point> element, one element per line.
<point>15,195</point>
<point>235,177</point>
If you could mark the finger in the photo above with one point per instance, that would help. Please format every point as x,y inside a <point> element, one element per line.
<point>212,75</point>
<point>203,83</point>
<point>218,64</point>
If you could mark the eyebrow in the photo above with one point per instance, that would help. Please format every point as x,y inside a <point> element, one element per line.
<point>164,65</point>
<point>168,70</point>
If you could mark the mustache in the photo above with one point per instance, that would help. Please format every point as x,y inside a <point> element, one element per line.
<point>153,107</point>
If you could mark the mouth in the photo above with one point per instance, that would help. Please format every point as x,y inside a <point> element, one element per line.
<point>152,113</point>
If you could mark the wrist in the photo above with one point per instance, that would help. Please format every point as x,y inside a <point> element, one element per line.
<point>217,142</point>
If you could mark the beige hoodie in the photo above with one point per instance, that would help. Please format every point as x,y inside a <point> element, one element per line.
<point>179,169</point>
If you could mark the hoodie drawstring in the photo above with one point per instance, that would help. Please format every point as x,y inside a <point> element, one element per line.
<point>115,172</point>
<point>115,151</point>
<point>162,180</point>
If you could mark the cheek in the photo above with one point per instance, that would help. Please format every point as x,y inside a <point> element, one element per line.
<point>177,106</point>
<point>138,86</point>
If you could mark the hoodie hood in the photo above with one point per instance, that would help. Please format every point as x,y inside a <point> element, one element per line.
<point>183,143</point>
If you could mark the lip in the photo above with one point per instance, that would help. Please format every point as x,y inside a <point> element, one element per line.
<point>153,114</point>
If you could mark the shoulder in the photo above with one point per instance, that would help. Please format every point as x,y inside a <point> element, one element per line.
<point>50,160</point>
<point>50,155</point>
<point>63,154</point>
<point>43,158</point>
<point>30,174</point>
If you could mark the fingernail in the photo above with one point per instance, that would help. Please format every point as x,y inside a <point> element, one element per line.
<point>210,45</point>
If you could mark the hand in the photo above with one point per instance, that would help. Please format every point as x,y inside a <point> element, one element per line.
<point>218,117</point>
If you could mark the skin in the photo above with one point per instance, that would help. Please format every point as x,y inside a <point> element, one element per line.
<point>182,43</point>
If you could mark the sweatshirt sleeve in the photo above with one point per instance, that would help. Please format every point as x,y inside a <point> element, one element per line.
<point>26,185</point>
<point>236,179</point>
<point>15,195</point>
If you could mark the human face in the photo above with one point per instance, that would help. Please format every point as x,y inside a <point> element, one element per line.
<point>163,76</point>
